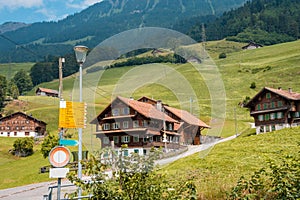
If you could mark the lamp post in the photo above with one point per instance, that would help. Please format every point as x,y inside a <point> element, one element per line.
<point>80,53</point>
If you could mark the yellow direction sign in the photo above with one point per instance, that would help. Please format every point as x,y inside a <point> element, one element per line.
<point>71,114</point>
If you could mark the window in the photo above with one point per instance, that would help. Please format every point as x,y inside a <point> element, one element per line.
<point>126,152</point>
<point>258,107</point>
<point>260,118</point>
<point>136,151</point>
<point>135,124</point>
<point>106,126</point>
<point>170,127</point>
<point>272,116</point>
<point>116,125</point>
<point>279,115</point>
<point>136,138</point>
<point>297,114</point>
<point>125,124</point>
<point>105,140</point>
<point>265,106</point>
<point>273,105</point>
<point>261,129</point>
<point>267,116</point>
<point>268,95</point>
<point>273,128</point>
<point>126,111</point>
<point>116,139</point>
<point>267,129</point>
<point>115,111</point>
<point>279,103</point>
<point>125,139</point>
<point>15,133</point>
<point>26,133</point>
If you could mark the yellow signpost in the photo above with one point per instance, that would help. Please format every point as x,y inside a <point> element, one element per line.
<point>71,114</point>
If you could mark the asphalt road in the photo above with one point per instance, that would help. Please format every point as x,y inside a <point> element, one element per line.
<point>37,191</point>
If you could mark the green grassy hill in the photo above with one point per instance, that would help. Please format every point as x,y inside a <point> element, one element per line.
<point>271,66</point>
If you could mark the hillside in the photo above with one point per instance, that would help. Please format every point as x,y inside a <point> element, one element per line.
<point>100,21</point>
<point>263,21</point>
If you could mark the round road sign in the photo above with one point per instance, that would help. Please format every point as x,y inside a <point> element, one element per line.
<point>59,156</point>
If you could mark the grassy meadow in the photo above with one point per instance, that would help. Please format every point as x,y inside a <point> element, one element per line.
<point>214,171</point>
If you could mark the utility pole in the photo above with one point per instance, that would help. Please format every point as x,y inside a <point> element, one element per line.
<point>60,66</point>
<point>203,37</point>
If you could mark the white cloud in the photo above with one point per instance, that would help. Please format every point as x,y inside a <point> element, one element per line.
<point>50,15</point>
<point>83,4</point>
<point>15,4</point>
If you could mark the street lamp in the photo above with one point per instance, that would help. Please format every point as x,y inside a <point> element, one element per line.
<point>80,53</point>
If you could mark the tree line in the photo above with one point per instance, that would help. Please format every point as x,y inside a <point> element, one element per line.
<point>262,21</point>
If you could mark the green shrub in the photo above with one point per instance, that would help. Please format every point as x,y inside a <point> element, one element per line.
<point>23,147</point>
<point>222,55</point>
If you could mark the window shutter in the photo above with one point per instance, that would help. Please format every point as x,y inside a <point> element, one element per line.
<point>122,139</point>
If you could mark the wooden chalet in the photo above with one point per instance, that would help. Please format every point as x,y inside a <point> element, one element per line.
<point>189,126</point>
<point>142,124</point>
<point>46,92</point>
<point>21,125</point>
<point>275,109</point>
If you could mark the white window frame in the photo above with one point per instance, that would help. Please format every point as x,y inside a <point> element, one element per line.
<point>106,126</point>
<point>115,125</point>
<point>279,115</point>
<point>260,118</point>
<point>272,116</point>
<point>125,139</point>
<point>135,124</point>
<point>125,124</point>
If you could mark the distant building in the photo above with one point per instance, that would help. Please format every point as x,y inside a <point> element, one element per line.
<point>275,109</point>
<point>46,92</point>
<point>21,125</point>
<point>252,45</point>
<point>146,123</point>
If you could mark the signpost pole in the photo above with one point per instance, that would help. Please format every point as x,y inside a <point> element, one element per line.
<point>58,188</point>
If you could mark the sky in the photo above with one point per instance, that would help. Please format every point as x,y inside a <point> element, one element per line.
<point>30,11</point>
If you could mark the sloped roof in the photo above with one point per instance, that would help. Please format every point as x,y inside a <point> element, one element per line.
<point>21,113</point>
<point>46,90</point>
<point>284,93</point>
<point>146,109</point>
<point>187,117</point>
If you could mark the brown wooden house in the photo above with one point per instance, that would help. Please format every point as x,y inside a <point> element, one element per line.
<point>137,124</point>
<point>46,92</point>
<point>275,109</point>
<point>142,124</point>
<point>21,125</point>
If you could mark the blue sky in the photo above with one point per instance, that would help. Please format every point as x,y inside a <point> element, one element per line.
<point>30,11</point>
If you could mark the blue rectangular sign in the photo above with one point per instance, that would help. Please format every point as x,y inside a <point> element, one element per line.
<point>68,142</point>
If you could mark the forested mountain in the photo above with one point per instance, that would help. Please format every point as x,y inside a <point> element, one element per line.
<point>100,21</point>
<point>263,21</point>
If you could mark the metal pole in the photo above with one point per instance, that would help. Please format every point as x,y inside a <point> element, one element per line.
<point>58,188</point>
<point>80,131</point>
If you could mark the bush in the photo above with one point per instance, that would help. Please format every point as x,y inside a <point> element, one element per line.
<point>49,142</point>
<point>135,178</point>
<point>281,180</point>
<point>23,147</point>
<point>253,85</point>
<point>222,55</point>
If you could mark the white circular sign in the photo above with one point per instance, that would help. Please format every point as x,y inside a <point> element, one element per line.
<point>59,156</point>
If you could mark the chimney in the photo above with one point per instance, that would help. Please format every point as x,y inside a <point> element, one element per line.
<point>131,98</point>
<point>290,90</point>
<point>279,88</point>
<point>159,105</point>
